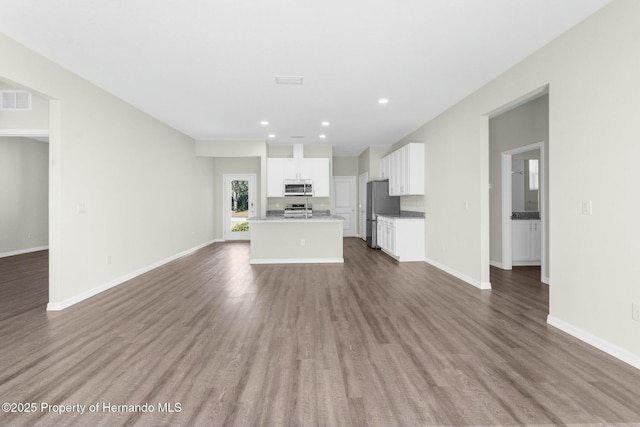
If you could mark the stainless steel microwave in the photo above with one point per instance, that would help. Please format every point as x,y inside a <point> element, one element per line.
<point>298,187</point>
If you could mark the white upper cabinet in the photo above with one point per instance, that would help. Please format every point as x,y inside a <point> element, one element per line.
<point>385,165</point>
<point>275,177</point>
<point>405,170</point>
<point>315,169</point>
<point>320,176</point>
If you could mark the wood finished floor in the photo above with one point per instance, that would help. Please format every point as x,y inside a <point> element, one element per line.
<point>370,342</point>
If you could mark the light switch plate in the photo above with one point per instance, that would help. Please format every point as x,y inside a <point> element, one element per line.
<point>587,207</point>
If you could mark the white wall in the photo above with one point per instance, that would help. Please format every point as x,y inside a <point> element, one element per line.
<point>24,195</point>
<point>146,196</point>
<point>345,166</point>
<point>592,72</point>
<point>240,149</point>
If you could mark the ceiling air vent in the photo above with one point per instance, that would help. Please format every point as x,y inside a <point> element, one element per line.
<point>16,100</point>
<point>289,80</point>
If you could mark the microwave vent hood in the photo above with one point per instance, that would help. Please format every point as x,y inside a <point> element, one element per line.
<point>298,187</point>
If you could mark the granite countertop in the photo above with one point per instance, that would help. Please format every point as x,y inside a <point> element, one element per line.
<point>519,216</point>
<point>405,215</point>
<point>281,218</point>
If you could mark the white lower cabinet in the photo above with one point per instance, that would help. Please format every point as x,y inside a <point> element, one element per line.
<point>526,239</point>
<point>402,238</point>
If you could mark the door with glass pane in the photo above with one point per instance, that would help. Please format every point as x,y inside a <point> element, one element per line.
<point>239,205</point>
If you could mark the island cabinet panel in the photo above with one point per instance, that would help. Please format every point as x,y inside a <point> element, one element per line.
<point>286,241</point>
<point>281,169</point>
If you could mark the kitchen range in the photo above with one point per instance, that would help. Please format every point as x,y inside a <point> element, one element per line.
<point>298,210</point>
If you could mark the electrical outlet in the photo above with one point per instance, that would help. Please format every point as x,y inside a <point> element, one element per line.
<point>303,242</point>
<point>635,311</point>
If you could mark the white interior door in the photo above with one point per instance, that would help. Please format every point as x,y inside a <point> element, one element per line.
<point>362,205</point>
<point>239,205</point>
<point>344,202</point>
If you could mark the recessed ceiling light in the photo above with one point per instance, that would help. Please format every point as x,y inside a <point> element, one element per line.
<point>325,123</point>
<point>272,135</point>
<point>264,123</point>
<point>323,136</point>
<point>383,101</point>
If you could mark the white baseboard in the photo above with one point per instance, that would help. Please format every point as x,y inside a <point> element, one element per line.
<point>298,261</point>
<point>526,264</point>
<point>219,241</point>
<point>609,348</point>
<point>23,251</point>
<point>545,280</point>
<point>463,277</point>
<point>496,264</point>
<point>61,305</point>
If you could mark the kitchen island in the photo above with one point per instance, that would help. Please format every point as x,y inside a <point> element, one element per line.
<point>280,240</point>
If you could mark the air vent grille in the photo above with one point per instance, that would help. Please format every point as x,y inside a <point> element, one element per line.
<point>19,100</point>
<point>289,80</point>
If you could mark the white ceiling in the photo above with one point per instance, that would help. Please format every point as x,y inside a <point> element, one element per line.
<point>208,67</point>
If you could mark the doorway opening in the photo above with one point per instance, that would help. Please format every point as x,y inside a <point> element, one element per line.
<point>522,229</point>
<point>239,205</point>
<point>32,138</point>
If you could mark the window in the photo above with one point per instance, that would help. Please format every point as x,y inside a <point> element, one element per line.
<point>534,174</point>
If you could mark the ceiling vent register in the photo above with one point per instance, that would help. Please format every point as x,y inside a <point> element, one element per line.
<point>15,100</point>
<point>288,80</point>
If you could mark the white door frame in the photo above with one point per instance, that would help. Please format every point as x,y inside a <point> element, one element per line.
<point>363,178</point>
<point>226,204</point>
<point>507,258</point>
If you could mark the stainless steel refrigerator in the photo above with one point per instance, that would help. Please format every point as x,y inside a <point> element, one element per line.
<point>379,203</point>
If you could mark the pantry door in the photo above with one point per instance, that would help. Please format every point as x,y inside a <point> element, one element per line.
<point>344,202</point>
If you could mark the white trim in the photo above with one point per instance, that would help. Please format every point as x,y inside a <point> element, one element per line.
<point>497,264</point>
<point>545,280</point>
<point>219,241</point>
<point>507,260</point>
<point>362,201</point>
<point>298,261</point>
<point>457,274</point>
<point>57,306</point>
<point>609,348</point>
<point>526,264</point>
<point>534,94</point>
<point>25,133</point>
<point>24,251</point>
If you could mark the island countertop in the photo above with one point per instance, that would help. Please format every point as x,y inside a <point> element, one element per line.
<point>281,218</point>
